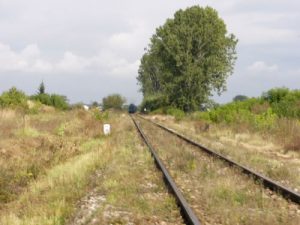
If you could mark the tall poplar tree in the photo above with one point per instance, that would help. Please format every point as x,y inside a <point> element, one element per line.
<point>188,59</point>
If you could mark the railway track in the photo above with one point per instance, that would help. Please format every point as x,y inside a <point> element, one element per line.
<point>267,182</point>
<point>186,211</point>
<point>193,212</point>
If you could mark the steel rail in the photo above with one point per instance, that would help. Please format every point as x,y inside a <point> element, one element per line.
<point>186,211</point>
<point>267,182</point>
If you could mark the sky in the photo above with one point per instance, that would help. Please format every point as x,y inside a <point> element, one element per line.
<point>89,49</point>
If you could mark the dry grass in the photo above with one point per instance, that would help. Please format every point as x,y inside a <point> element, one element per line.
<point>288,134</point>
<point>59,157</point>
<point>30,144</point>
<point>131,189</point>
<point>218,194</point>
<point>251,149</point>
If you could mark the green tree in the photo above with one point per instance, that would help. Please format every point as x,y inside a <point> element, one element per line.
<point>189,58</point>
<point>240,98</point>
<point>114,101</point>
<point>42,98</point>
<point>95,104</point>
<point>275,95</point>
<point>59,101</point>
<point>41,89</point>
<point>13,98</point>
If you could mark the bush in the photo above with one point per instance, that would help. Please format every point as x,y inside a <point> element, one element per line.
<point>253,113</point>
<point>152,103</point>
<point>240,98</point>
<point>57,101</point>
<point>285,102</point>
<point>42,98</point>
<point>114,101</point>
<point>78,105</point>
<point>13,98</point>
<point>101,116</point>
<point>177,113</point>
<point>275,95</point>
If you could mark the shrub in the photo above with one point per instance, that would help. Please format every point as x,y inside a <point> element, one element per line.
<point>265,121</point>
<point>114,101</point>
<point>275,94</point>
<point>153,103</point>
<point>78,105</point>
<point>13,98</point>
<point>57,101</point>
<point>240,98</point>
<point>102,116</point>
<point>285,102</point>
<point>253,113</point>
<point>42,98</point>
<point>177,113</point>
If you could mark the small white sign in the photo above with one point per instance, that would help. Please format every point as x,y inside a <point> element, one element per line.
<point>106,129</point>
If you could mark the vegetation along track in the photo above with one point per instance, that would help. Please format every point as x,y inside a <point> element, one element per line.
<point>267,182</point>
<point>218,194</point>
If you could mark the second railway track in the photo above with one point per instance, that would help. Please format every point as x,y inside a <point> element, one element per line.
<point>218,194</point>
<point>286,192</point>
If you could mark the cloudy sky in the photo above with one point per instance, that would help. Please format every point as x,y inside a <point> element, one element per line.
<point>89,49</point>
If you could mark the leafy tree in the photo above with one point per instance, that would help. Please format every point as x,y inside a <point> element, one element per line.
<point>55,100</point>
<point>189,58</point>
<point>240,98</point>
<point>285,102</point>
<point>114,101</point>
<point>41,89</point>
<point>275,94</point>
<point>59,101</point>
<point>42,98</point>
<point>13,98</point>
<point>95,104</point>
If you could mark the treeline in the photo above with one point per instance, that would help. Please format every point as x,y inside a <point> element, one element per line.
<point>15,98</point>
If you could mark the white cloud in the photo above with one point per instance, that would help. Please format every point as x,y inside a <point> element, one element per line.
<point>127,68</point>
<point>253,28</point>
<point>31,60</point>
<point>30,51</point>
<point>72,63</point>
<point>261,66</point>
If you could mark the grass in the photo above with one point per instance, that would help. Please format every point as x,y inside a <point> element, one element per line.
<point>44,177</point>
<point>251,149</point>
<point>31,144</point>
<point>219,194</point>
<point>132,185</point>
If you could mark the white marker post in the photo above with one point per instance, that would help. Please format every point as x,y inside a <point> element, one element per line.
<point>106,129</point>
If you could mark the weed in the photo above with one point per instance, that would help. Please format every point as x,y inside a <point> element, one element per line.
<point>60,131</point>
<point>28,132</point>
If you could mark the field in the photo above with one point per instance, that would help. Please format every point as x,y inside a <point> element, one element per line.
<point>58,168</point>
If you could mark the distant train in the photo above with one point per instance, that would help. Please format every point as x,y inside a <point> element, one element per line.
<point>132,108</point>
